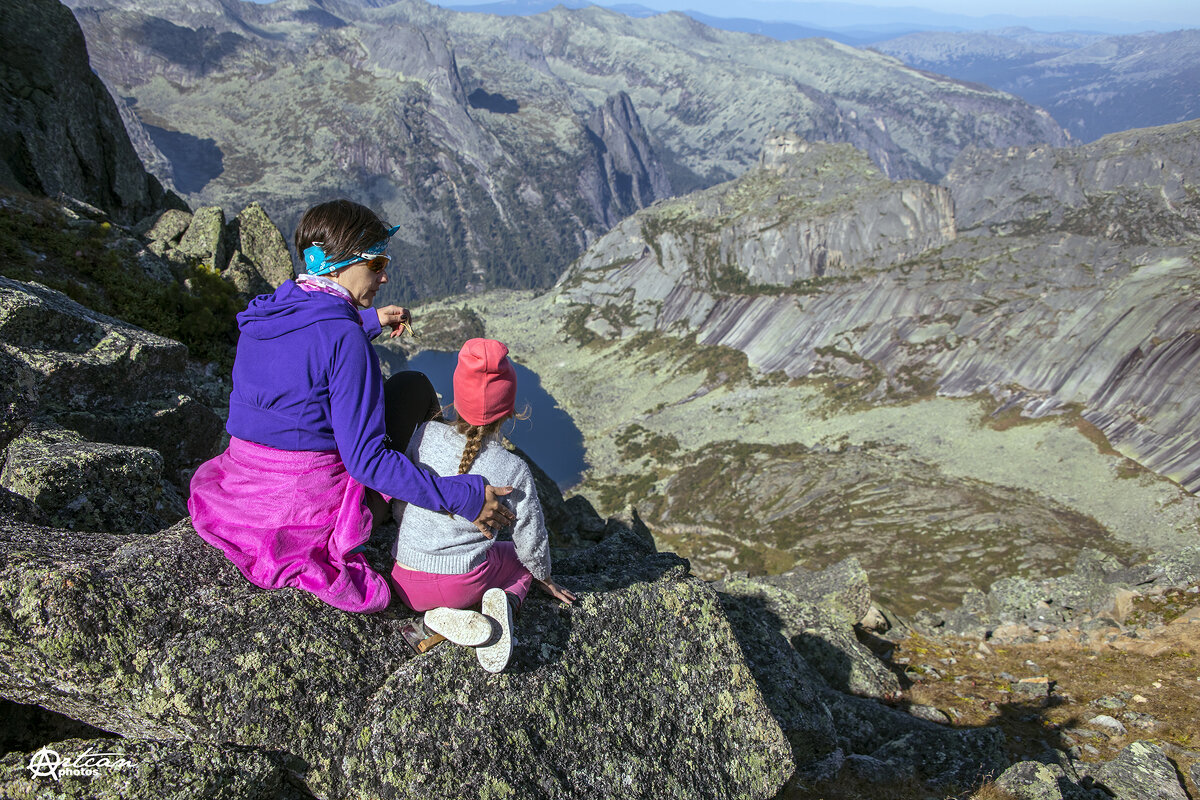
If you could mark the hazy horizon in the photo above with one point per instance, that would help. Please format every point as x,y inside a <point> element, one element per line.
<point>1104,16</point>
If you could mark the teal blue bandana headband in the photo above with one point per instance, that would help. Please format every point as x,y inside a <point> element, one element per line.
<point>317,263</point>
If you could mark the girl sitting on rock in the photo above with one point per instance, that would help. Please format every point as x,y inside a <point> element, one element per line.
<point>313,426</point>
<point>442,563</point>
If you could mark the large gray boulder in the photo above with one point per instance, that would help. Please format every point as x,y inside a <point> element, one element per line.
<point>817,617</point>
<point>18,397</point>
<point>248,251</point>
<point>91,486</point>
<point>60,131</point>
<point>205,241</point>
<point>1030,780</point>
<point>105,379</point>
<point>258,241</point>
<point>640,690</point>
<point>1141,771</point>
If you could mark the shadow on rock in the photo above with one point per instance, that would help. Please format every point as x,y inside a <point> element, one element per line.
<point>830,693</point>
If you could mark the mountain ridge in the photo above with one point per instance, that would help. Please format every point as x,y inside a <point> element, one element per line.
<point>1093,85</point>
<point>302,100</point>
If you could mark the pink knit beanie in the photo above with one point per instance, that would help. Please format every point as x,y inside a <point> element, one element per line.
<point>485,383</point>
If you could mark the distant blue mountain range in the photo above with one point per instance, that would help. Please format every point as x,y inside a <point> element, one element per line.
<point>842,22</point>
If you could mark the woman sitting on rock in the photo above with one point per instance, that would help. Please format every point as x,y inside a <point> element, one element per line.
<point>313,426</point>
<point>443,563</point>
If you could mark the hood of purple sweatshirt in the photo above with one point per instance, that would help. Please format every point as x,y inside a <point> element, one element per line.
<point>289,309</point>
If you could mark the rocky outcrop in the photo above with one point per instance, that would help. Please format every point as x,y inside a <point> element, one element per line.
<point>60,132</point>
<point>1135,187</point>
<point>258,248</point>
<point>1094,311</point>
<point>819,624</point>
<point>1141,771</point>
<point>91,486</point>
<point>18,397</point>
<point>203,657</point>
<point>809,211</point>
<point>106,380</point>
<point>148,768</point>
<point>626,175</point>
<point>248,251</point>
<point>1097,593</point>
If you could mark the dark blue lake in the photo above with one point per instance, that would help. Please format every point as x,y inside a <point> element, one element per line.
<point>549,436</point>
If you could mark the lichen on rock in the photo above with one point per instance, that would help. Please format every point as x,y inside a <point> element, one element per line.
<point>639,690</point>
<point>90,486</point>
<point>163,769</point>
<point>107,380</point>
<point>1142,771</point>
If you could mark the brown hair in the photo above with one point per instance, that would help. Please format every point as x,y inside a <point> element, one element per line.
<point>343,226</point>
<point>475,435</point>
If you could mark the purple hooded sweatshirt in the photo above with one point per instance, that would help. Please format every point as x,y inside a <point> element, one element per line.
<point>306,378</point>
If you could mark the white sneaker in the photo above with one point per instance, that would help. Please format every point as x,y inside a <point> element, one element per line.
<point>461,626</point>
<point>495,654</point>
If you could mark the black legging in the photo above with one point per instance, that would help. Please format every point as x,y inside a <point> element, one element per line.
<point>408,400</point>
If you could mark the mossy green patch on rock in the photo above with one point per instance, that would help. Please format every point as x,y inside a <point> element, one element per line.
<point>94,265</point>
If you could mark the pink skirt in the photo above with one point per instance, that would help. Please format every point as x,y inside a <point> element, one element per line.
<point>289,519</point>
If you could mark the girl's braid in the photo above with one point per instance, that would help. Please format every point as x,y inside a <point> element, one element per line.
<point>475,436</point>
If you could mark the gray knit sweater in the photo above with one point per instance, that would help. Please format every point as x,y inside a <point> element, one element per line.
<point>432,541</point>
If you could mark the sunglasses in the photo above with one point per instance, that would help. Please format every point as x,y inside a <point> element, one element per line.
<point>375,262</point>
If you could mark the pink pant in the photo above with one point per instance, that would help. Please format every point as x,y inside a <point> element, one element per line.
<point>422,591</point>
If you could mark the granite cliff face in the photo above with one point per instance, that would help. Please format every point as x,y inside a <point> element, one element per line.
<point>1134,187</point>
<point>502,146</point>
<point>60,132</point>
<point>304,105</point>
<point>627,175</point>
<point>1071,279</point>
<point>808,212</point>
<point>1092,84</point>
<point>710,97</point>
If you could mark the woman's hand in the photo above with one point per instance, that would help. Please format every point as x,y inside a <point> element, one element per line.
<point>394,317</point>
<point>554,590</point>
<point>495,515</point>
